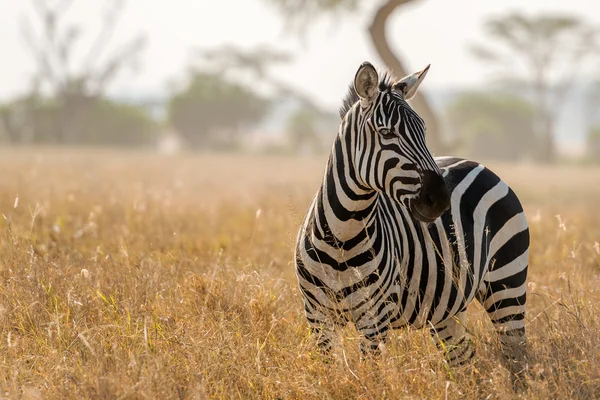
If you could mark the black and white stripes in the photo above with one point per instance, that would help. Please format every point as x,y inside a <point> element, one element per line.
<point>395,238</point>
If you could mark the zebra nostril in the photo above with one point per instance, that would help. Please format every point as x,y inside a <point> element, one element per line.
<point>428,200</point>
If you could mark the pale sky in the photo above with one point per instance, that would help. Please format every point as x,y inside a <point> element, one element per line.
<point>430,31</point>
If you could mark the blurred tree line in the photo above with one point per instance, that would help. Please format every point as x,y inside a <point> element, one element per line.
<point>67,102</point>
<point>536,61</point>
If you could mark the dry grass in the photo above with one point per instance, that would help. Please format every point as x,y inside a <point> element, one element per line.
<point>134,276</point>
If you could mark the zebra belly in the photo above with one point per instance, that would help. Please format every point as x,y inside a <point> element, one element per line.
<point>440,291</point>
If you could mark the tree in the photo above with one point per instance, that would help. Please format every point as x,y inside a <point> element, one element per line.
<point>300,11</point>
<point>493,125</point>
<point>75,87</point>
<point>541,54</point>
<point>211,111</point>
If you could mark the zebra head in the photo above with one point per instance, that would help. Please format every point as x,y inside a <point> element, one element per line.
<point>390,154</point>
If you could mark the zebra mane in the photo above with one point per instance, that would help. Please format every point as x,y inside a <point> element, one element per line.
<point>385,83</point>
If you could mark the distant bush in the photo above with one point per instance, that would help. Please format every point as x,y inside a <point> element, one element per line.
<point>593,145</point>
<point>493,125</point>
<point>212,112</point>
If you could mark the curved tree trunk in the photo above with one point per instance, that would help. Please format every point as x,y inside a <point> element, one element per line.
<point>380,41</point>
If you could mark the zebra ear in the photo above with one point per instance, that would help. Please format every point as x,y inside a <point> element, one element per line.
<point>409,84</point>
<point>366,81</point>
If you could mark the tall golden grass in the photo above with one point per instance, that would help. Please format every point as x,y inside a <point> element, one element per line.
<point>131,276</point>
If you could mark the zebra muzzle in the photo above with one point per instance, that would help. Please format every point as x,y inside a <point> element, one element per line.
<point>433,198</point>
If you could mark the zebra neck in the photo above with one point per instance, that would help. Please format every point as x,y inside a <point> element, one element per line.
<point>345,210</point>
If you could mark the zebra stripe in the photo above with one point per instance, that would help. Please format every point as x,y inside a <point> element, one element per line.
<point>364,254</point>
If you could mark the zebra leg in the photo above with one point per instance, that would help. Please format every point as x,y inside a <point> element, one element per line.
<point>451,336</point>
<point>504,300</point>
<point>372,339</point>
<point>323,334</point>
<point>503,291</point>
<point>322,326</point>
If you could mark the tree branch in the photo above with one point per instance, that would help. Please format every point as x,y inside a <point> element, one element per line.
<point>109,23</point>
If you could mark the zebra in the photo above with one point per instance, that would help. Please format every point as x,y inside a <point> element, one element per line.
<point>396,238</point>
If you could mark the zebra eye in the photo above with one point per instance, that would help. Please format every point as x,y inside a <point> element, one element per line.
<point>386,133</point>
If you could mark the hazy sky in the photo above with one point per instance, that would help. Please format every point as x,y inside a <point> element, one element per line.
<point>430,31</point>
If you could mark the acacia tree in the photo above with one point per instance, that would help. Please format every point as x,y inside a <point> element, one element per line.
<point>543,55</point>
<point>74,82</point>
<point>233,62</point>
<point>299,12</point>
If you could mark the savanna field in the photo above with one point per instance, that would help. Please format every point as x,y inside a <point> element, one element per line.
<point>137,276</point>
